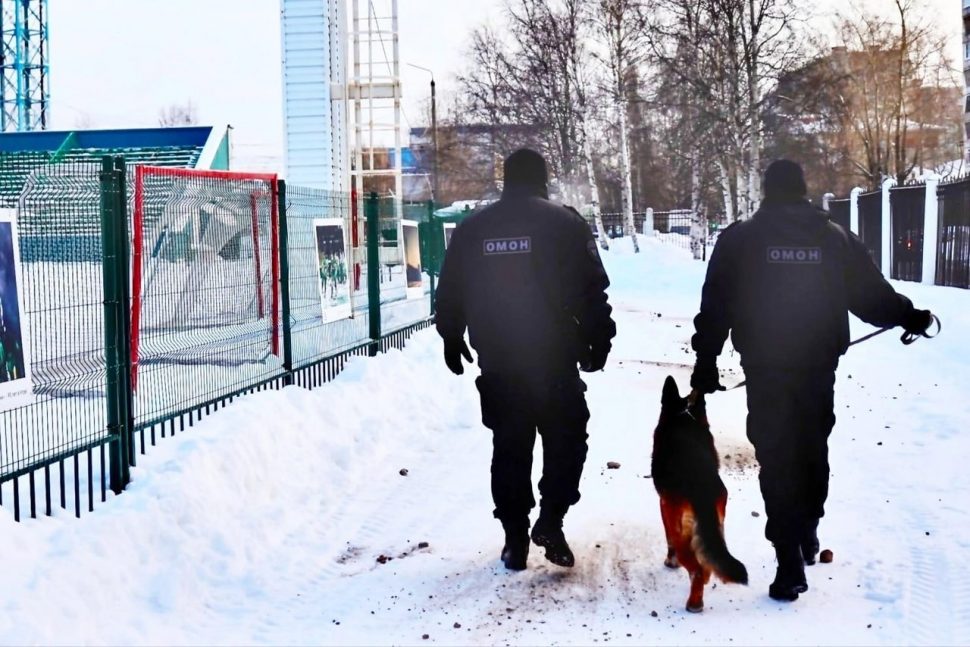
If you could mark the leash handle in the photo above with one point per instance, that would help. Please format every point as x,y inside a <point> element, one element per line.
<point>911,338</point>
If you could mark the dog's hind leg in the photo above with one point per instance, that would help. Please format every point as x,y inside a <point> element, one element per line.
<point>698,576</point>
<point>671,519</point>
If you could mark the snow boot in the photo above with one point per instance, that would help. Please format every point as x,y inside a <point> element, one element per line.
<point>790,576</point>
<point>810,545</point>
<point>548,533</point>
<point>515,552</point>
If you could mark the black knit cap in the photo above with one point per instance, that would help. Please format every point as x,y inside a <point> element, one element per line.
<point>525,167</point>
<point>784,181</point>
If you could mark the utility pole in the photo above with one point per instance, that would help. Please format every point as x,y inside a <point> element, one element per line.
<point>434,133</point>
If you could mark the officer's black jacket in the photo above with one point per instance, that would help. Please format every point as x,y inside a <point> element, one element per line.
<point>783,283</point>
<point>525,278</point>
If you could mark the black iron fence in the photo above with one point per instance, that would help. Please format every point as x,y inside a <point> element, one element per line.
<point>616,226</point>
<point>909,226</point>
<point>908,204</point>
<point>870,224</point>
<point>953,255</point>
<point>181,291</point>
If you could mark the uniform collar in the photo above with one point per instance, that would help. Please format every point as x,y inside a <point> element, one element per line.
<point>524,191</point>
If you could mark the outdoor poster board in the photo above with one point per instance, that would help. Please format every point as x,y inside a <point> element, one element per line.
<point>449,228</point>
<point>16,387</point>
<point>333,269</point>
<point>412,259</point>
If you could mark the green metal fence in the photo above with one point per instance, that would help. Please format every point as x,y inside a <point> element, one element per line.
<point>319,332</point>
<point>62,436</point>
<point>106,252</point>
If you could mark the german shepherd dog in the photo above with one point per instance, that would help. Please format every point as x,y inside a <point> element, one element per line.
<point>692,496</point>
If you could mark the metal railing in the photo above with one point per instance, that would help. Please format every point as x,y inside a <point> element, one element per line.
<point>259,312</point>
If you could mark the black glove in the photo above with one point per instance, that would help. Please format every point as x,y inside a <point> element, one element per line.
<point>595,359</point>
<point>917,322</point>
<point>455,349</point>
<point>705,378</point>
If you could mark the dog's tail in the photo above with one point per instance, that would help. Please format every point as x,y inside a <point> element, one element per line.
<point>709,546</point>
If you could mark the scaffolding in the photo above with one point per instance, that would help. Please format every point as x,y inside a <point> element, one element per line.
<point>374,90</point>
<point>24,67</point>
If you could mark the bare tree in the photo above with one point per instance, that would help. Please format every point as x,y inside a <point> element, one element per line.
<point>84,121</point>
<point>528,78</point>
<point>621,25</point>
<point>889,68</point>
<point>183,114</point>
<point>729,54</point>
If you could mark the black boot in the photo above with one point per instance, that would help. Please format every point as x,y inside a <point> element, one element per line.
<point>548,533</point>
<point>790,576</point>
<point>810,543</point>
<point>515,552</point>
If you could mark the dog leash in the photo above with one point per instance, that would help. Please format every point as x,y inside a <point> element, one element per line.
<point>907,338</point>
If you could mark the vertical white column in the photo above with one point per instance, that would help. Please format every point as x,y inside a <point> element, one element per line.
<point>828,197</point>
<point>648,223</point>
<point>854,210</point>
<point>887,227</point>
<point>931,229</point>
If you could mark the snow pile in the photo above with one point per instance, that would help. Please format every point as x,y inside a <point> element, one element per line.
<point>360,513</point>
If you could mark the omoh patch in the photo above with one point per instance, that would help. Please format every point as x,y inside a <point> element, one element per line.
<point>795,255</point>
<point>501,246</point>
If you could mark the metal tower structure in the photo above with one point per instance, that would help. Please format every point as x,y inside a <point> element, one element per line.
<point>24,69</point>
<point>374,90</point>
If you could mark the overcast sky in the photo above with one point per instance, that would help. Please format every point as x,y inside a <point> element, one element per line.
<point>116,63</point>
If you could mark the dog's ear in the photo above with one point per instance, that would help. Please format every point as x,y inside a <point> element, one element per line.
<point>671,395</point>
<point>696,404</point>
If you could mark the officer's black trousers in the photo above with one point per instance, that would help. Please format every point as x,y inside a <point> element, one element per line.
<point>790,417</point>
<point>514,410</point>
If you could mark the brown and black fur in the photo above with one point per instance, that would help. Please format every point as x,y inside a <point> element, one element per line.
<point>692,496</point>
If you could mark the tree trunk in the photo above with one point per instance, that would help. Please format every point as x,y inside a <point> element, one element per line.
<point>754,169</point>
<point>741,182</point>
<point>754,158</point>
<point>725,178</point>
<point>594,194</point>
<point>698,228</point>
<point>627,176</point>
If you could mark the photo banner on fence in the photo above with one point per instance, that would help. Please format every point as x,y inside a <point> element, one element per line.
<point>332,262</point>
<point>449,228</point>
<point>412,259</point>
<point>16,387</point>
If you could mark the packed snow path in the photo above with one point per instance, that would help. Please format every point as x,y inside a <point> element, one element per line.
<point>286,518</point>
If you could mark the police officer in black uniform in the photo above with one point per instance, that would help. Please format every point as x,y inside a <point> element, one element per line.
<point>783,284</point>
<point>525,278</point>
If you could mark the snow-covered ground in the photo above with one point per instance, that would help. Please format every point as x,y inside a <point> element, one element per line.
<point>286,519</point>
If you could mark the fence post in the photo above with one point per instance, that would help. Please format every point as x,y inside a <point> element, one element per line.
<point>436,261</point>
<point>113,246</point>
<point>372,215</point>
<point>887,227</point>
<point>124,271</point>
<point>854,210</point>
<point>931,229</point>
<point>285,285</point>
<point>828,197</point>
<point>648,223</point>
